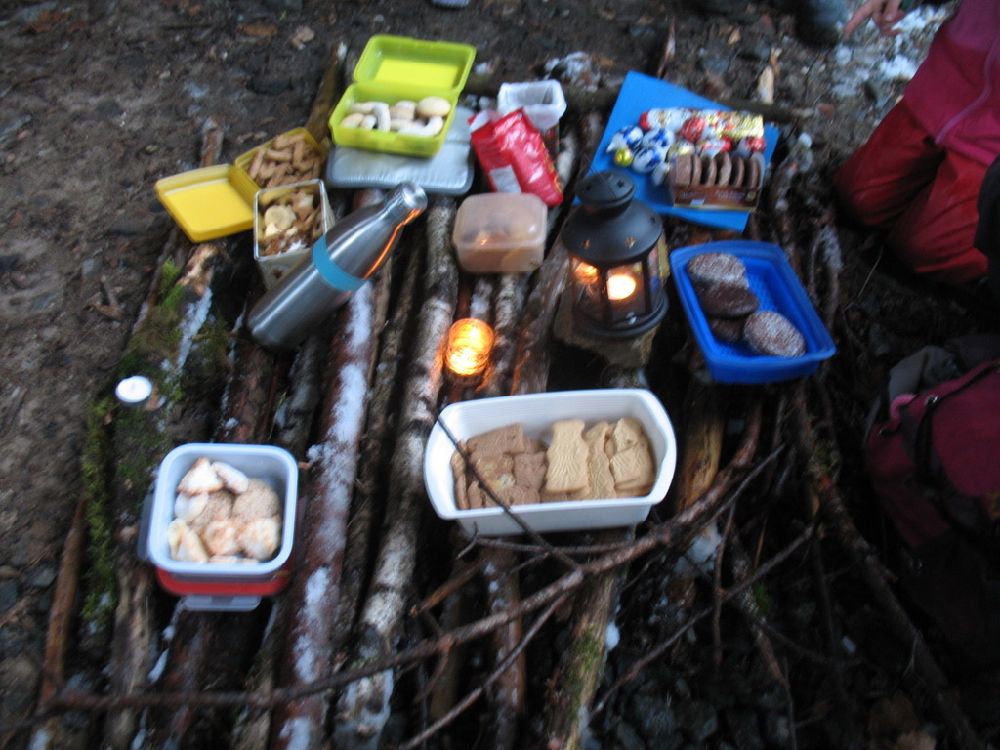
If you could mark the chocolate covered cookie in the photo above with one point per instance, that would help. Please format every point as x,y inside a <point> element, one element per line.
<point>729,330</point>
<point>712,268</point>
<point>773,333</point>
<point>726,300</point>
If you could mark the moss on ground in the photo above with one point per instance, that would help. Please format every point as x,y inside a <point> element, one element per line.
<point>99,579</point>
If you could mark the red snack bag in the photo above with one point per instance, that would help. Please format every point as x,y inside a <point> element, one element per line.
<point>513,156</point>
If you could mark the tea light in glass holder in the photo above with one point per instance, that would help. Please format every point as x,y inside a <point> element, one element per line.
<point>470,343</point>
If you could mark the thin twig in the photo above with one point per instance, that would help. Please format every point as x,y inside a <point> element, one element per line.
<point>637,666</point>
<point>495,675</point>
<point>538,538</point>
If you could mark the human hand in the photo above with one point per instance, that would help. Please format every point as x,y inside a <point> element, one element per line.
<point>884,13</point>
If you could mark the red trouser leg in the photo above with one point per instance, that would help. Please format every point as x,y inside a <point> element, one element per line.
<point>900,181</point>
<point>934,235</point>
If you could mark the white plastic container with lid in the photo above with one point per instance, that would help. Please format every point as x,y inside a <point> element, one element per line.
<point>500,233</point>
<point>536,413</point>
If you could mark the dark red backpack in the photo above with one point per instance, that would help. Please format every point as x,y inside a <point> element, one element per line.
<point>933,455</point>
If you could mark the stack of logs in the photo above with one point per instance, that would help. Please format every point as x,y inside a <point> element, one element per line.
<point>371,639</point>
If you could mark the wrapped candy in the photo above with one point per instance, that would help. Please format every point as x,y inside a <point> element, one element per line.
<point>740,125</point>
<point>646,159</point>
<point>658,137</point>
<point>623,157</point>
<point>629,137</point>
<point>692,129</point>
<point>664,119</point>
<point>659,174</point>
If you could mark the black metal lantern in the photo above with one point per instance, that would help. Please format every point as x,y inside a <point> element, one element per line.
<point>615,246</point>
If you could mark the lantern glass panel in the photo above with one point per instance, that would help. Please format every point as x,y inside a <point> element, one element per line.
<point>625,289</point>
<point>587,284</point>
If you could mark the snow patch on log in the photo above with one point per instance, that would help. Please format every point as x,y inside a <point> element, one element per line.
<point>192,323</point>
<point>351,409</point>
<point>372,698</point>
<point>297,734</point>
<point>612,636</point>
<point>305,658</point>
<point>701,553</point>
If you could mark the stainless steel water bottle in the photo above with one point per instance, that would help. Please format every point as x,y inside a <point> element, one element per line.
<point>341,262</point>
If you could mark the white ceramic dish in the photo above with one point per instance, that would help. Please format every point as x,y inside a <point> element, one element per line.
<point>274,465</point>
<point>537,413</point>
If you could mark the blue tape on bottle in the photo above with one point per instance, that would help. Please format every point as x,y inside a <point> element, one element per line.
<point>333,274</point>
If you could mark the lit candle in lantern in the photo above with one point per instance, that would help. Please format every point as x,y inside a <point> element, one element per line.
<point>621,286</point>
<point>586,274</point>
<point>470,343</point>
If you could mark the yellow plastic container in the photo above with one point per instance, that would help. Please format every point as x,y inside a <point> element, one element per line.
<point>393,68</point>
<point>209,202</point>
<point>243,161</point>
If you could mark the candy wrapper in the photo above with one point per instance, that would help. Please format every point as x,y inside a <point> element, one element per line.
<point>512,154</point>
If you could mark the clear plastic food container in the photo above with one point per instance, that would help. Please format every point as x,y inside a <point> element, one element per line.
<point>500,233</point>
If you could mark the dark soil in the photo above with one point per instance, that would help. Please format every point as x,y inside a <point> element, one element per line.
<point>102,98</point>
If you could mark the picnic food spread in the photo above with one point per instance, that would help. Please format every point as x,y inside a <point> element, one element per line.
<point>222,516</point>
<point>395,116</point>
<point>604,460</point>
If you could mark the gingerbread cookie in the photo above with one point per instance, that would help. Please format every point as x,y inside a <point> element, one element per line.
<point>567,458</point>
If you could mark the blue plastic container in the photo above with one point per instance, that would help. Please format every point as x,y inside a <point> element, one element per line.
<point>778,288</point>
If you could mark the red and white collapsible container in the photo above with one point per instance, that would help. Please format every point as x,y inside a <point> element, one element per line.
<point>222,586</point>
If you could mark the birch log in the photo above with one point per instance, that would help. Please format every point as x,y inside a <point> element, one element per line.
<point>376,446</point>
<point>312,600</point>
<point>363,708</point>
<point>582,665</point>
<point>292,428</point>
<point>153,349</point>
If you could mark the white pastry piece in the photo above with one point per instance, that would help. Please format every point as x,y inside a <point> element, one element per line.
<point>353,120</point>
<point>200,479</point>
<point>235,480</point>
<point>382,117</point>
<point>259,501</point>
<point>433,106</point>
<point>185,546</point>
<point>220,538</point>
<point>432,127</point>
<point>281,218</point>
<point>218,507</point>
<point>403,110</point>
<point>188,507</point>
<point>260,538</point>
